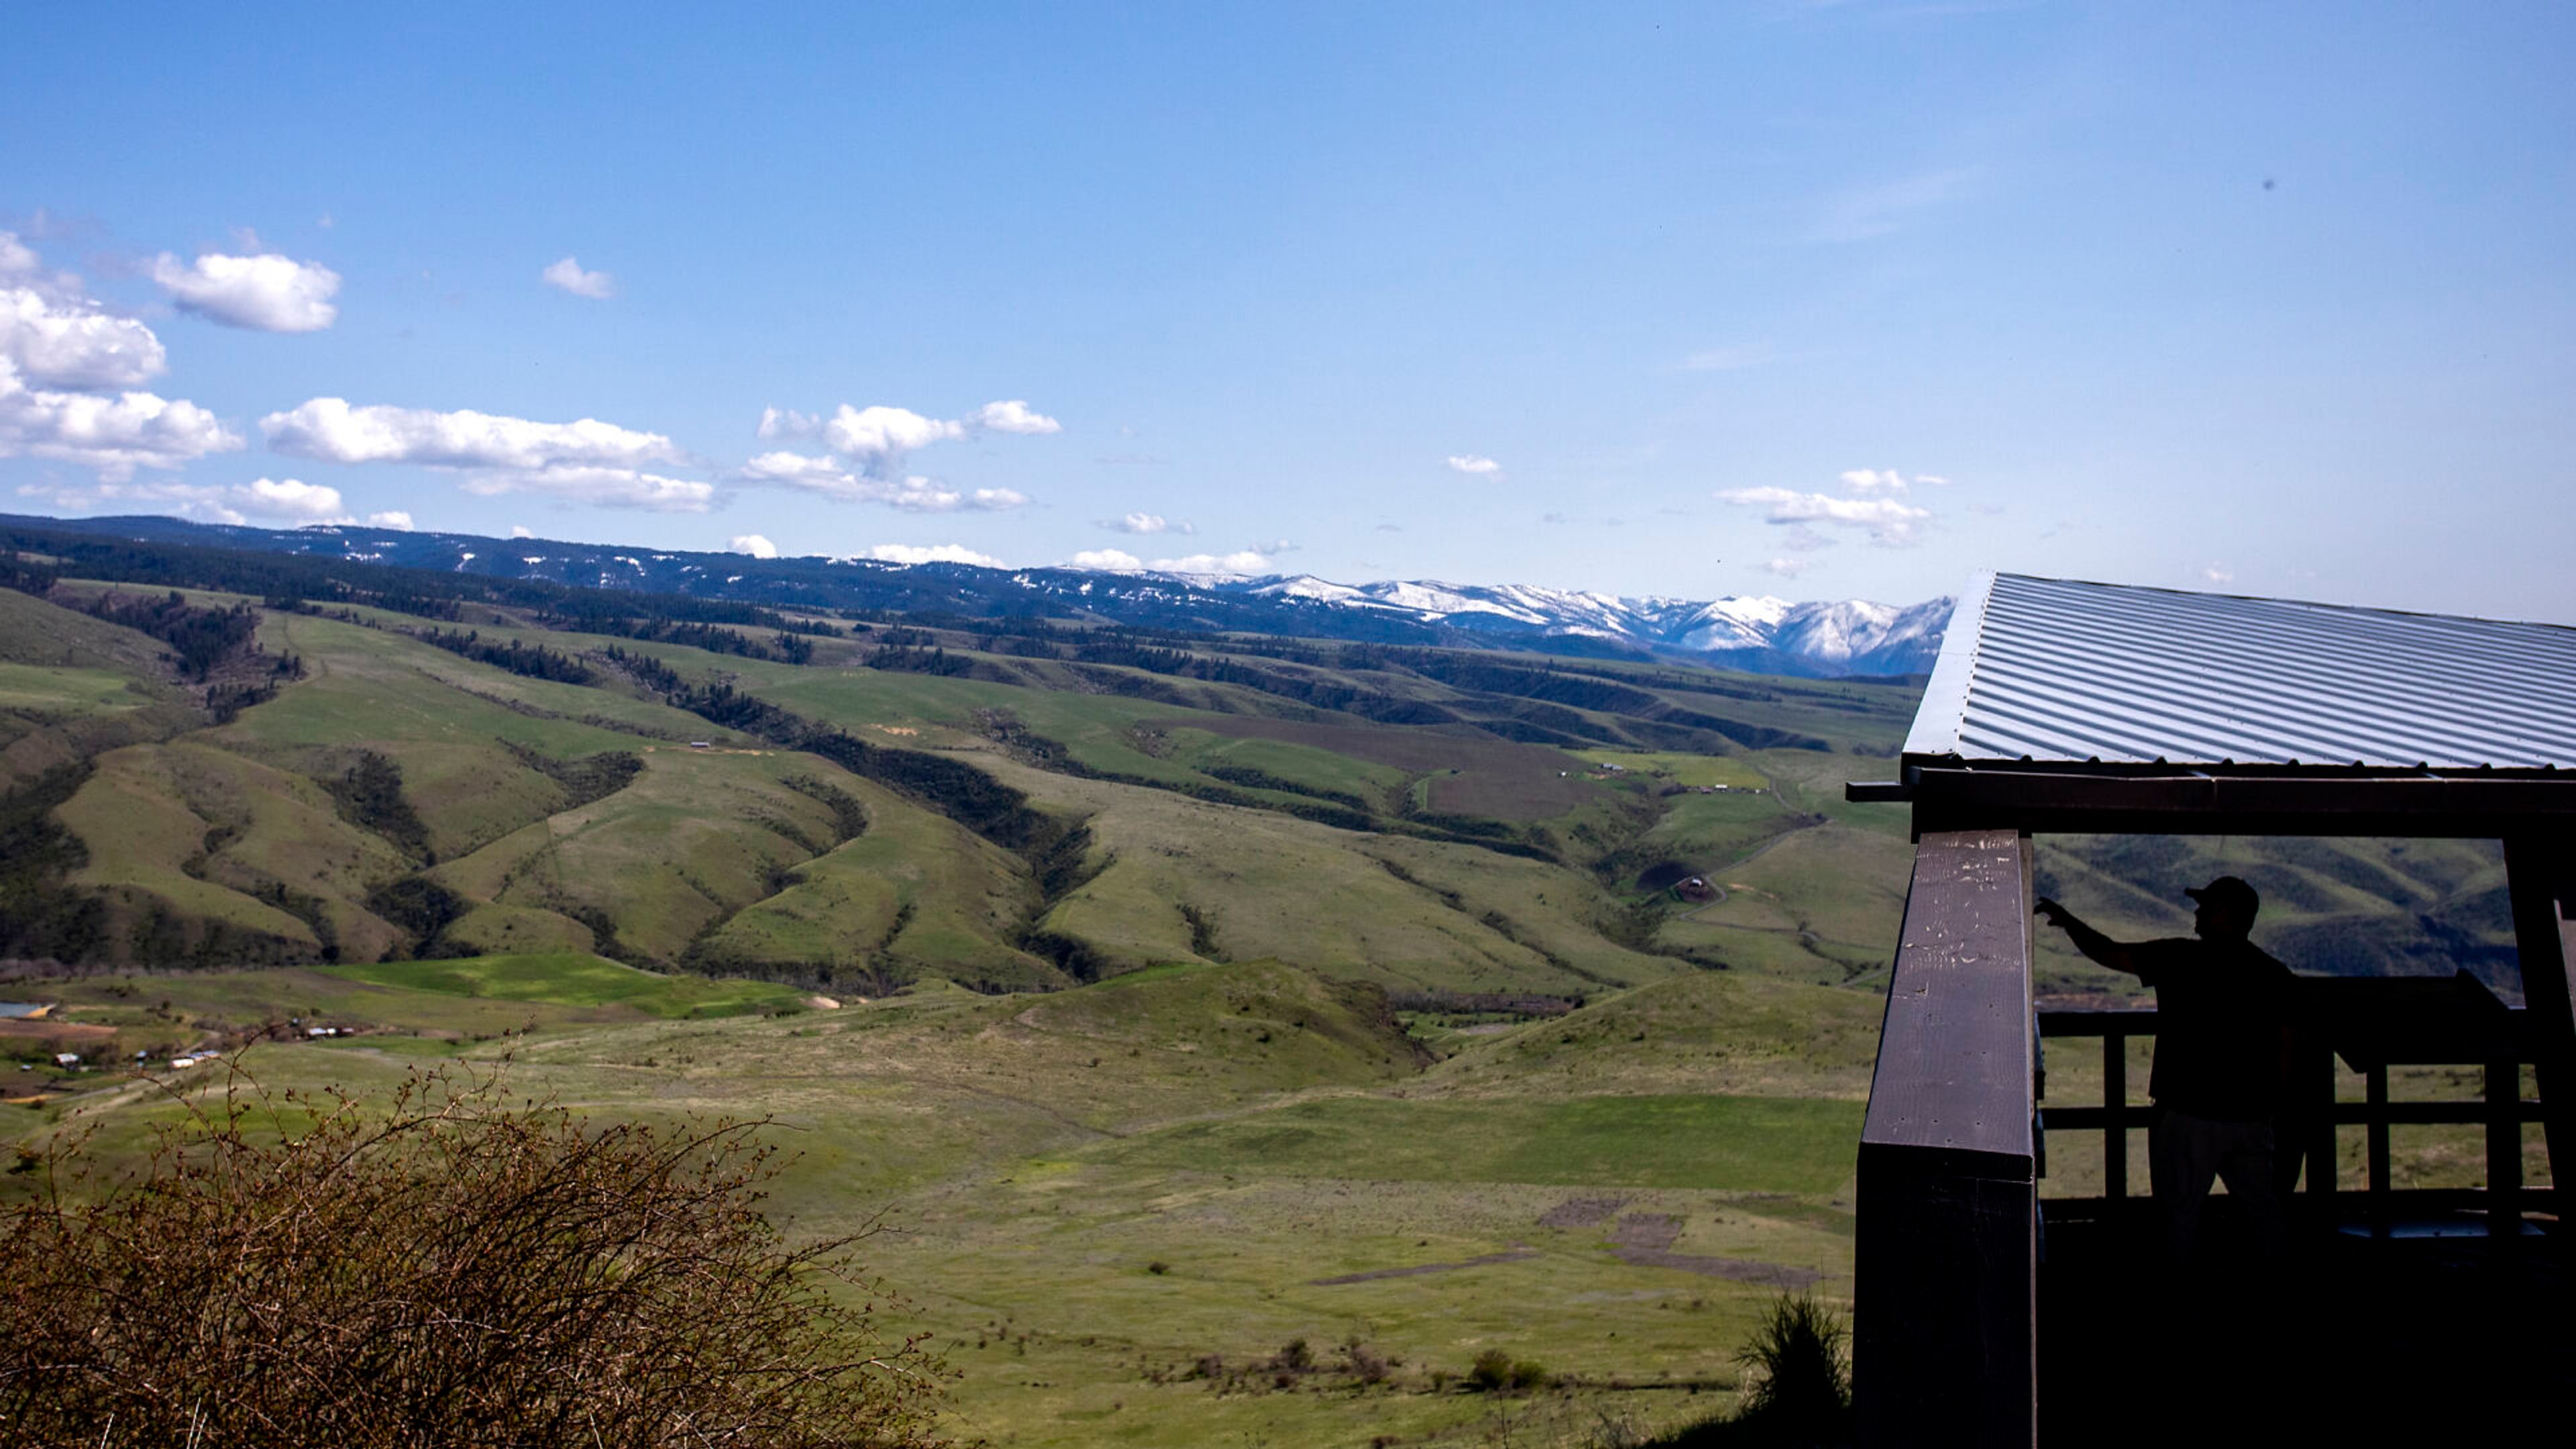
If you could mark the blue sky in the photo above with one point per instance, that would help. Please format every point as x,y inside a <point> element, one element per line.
<point>1825,300</point>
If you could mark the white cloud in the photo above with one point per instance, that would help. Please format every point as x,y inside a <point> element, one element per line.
<point>604,487</point>
<point>1013,416</point>
<point>288,499</point>
<point>1145,523</point>
<point>788,423</point>
<point>2218,573</point>
<point>1115,560</point>
<point>827,476</point>
<point>1788,568</point>
<point>329,428</point>
<point>114,435</point>
<point>956,553</point>
<point>1242,561</point>
<point>880,438</point>
<point>568,276</point>
<point>1118,560</point>
<point>752,544</point>
<point>1890,524</point>
<point>268,293</point>
<point>63,340</point>
<point>393,518</point>
<point>877,439</point>
<point>15,256</point>
<point>1806,540</point>
<point>1474,463</point>
<point>291,498</point>
<point>521,530</point>
<point>1866,481</point>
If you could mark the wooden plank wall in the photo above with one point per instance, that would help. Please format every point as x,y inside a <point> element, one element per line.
<point>1944,1333</point>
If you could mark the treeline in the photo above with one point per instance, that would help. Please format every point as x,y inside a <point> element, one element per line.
<point>535,661</point>
<point>782,647</point>
<point>290,580</point>
<point>199,639</point>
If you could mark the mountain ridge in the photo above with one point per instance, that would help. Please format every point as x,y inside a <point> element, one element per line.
<point>1763,634</point>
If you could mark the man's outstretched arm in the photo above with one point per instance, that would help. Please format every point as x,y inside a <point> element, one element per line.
<point>2092,943</point>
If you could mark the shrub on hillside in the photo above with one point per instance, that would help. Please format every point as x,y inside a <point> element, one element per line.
<point>1495,1372</point>
<point>1798,1385</point>
<point>445,1269</point>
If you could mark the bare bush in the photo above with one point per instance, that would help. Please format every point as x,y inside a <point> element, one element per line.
<point>442,1269</point>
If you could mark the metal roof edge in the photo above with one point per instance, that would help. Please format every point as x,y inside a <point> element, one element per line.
<point>1943,712</point>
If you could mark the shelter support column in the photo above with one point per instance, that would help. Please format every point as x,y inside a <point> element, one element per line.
<point>2542,875</point>
<point>1945,1342</point>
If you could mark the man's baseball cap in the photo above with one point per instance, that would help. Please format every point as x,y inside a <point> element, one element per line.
<point>2227,893</point>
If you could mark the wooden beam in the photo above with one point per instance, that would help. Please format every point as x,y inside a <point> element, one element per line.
<point>2541,873</point>
<point>1945,1344</point>
<point>2128,802</point>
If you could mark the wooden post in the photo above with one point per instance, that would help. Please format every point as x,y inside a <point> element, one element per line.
<point>2375,1081</point>
<point>2115,1127</point>
<point>1945,1341</point>
<point>2504,1149</point>
<point>2542,876</point>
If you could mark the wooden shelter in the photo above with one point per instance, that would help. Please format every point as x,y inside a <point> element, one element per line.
<point>2075,707</point>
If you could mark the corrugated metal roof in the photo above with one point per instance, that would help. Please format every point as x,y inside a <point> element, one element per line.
<point>2053,670</point>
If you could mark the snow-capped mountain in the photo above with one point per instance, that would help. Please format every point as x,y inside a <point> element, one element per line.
<point>1849,636</point>
<point>1766,635</point>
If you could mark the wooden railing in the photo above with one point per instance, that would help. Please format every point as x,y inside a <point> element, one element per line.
<point>2412,1021</point>
<point>1945,1324</point>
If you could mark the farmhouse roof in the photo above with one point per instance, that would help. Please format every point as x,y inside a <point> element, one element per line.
<point>2063,697</point>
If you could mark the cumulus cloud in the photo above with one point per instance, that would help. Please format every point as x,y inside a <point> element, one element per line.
<point>329,428</point>
<point>114,435</point>
<point>828,478</point>
<point>267,293</point>
<point>1242,562</point>
<point>956,553</point>
<point>1013,416</point>
<point>788,423</point>
<point>1890,524</point>
<point>567,276</point>
<point>605,487</point>
<point>880,437</point>
<point>15,256</point>
<point>292,498</point>
<point>1145,523</point>
<point>1474,463</point>
<point>870,445</point>
<point>1788,568</point>
<point>752,544</point>
<point>289,500</point>
<point>394,518</point>
<point>521,530</point>
<point>60,339</point>
<point>2218,573</point>
<point>1887,481</point>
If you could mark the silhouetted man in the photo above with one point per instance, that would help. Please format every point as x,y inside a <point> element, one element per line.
<point>2222,1024</point>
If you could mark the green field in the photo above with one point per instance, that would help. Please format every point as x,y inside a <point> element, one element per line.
<point>576,981</point>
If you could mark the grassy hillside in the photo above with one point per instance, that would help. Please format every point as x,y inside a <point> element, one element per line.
<point>1114,1203</point>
